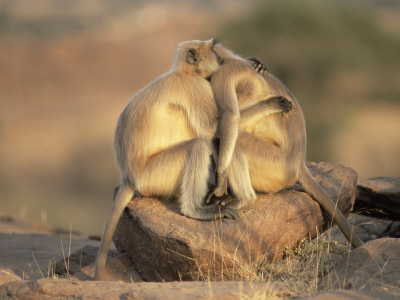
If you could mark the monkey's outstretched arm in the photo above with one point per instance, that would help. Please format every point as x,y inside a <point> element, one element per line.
<point>274,104</point>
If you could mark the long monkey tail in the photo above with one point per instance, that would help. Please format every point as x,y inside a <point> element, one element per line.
<point>125,194</point>
<point>315,190</point>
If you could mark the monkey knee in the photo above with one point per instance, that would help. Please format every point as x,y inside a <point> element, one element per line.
<point>203,145</point>
<point>200,153</point>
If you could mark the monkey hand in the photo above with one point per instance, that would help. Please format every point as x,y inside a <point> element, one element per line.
<point>276,104</point>
<point>220,191</point>
<point>220,195</point>
<point>285,104</point>
<point>258,66</point>
<point>221,201</point>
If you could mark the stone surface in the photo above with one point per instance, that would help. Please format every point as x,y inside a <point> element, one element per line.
<point>9,224</point>
<point>7,275</point>
<point>373,266</point>
<point>353,295</point>
<point>78,259</point>
<point>380,193</point>
<point>164,245</point>
<point>66,289</point>
<point>33,256</point>
<point>370,228</point>
<point>119,268</point>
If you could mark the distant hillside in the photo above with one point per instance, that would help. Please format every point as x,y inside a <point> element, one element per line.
<point>334,56</point>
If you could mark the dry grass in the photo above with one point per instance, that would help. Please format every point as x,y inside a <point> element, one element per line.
<point>304,265</point>
<point>52,265</point>
<point>228,262</point>
<point>300,270</point>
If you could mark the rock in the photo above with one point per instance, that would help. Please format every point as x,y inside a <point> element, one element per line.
<point>353,295</point>
<point>7,275</point>
<point>9,224</point>
<point>66,289</point>
<point>370,228</point>
<point>33,256</point>
<point>373,266</point>
<point>30,250</point>
<point>79,259</point>
<point>119,268</point>
<point>164,245</point>
<point>380,193</point>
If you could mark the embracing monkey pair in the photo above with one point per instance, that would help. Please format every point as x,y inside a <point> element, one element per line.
<point>214,123</point>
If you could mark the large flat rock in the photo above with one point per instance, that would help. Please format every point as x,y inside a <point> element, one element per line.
<point>166,246</point>
<point>373,266</point>
<point>67,289</point>
<point>352,295</point>
<point>34,255</point>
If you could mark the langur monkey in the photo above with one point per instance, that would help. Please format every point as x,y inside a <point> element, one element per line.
<point>273,144</point>
<point>163,141</point>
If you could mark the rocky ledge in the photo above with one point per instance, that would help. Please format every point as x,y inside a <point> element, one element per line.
<point>167,246</point>
<point>35,262</point>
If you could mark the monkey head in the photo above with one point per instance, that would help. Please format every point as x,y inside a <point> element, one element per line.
<point>197,57</point>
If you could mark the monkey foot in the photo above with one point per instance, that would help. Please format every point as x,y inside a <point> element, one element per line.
<point>229,212</point>
<point>221,201</point>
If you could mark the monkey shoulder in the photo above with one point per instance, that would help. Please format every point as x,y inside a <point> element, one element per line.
<point>232,73</point>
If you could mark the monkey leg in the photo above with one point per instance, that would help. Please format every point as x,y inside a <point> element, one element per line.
<point>184,170</point>
<point>267,164</point>
<point>239,180</point>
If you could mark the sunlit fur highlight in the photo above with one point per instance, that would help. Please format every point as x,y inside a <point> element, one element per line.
<point>163,140</point>
<point>273,144</point>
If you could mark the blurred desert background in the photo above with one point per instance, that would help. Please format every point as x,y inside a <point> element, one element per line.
<point>67,69</point>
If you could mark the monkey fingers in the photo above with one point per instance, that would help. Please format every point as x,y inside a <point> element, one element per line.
<point>212,199</point>
<point>276,104</point>
<point>285,103</point>
<point>227,200</point>
<point>220,191</point>
<point>223,201</point>
<point>258,66</point>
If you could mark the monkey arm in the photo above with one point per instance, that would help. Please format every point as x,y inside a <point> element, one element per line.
<point>229,126</point>
<point>224,89</point>
<point>250,114</point>
<point>274,104</point>
<point>228,130</point>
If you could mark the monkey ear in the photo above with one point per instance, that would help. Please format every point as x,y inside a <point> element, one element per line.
<point>192,57</point>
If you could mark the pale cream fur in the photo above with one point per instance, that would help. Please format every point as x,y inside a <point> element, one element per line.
<point>273,143</point>
<point>164,142</point>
